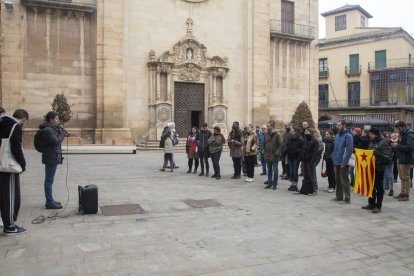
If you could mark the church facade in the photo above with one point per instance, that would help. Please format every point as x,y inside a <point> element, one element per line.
<point>129,67</point>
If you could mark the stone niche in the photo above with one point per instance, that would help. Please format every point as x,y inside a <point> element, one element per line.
<point>187,62</point>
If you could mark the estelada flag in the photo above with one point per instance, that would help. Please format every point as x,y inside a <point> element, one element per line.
<point>364,172</point>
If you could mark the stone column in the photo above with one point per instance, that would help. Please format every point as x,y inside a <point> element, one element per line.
<point>111,94</point>
<point>261,61</point>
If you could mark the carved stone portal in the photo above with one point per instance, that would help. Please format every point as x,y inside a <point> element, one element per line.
<point>187,62</point>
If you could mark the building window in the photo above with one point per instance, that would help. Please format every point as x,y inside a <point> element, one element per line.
<point>363,21</point>
<point>353,94</point>
<point>380,59</point>
<point>288,16</point>
<point>323,68</point>
<point>354,64</point>
<point>340,22</point>
<point>323,95</point>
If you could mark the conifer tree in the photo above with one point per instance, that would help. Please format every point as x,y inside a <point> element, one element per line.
<point>302,114</point>
<point>60,105</point>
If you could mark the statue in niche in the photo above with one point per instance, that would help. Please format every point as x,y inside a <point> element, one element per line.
<point>189,53</point>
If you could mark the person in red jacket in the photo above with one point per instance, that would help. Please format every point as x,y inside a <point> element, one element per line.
<point>191,149</point>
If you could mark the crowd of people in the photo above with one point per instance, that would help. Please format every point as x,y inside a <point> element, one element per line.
<point>302,149</point>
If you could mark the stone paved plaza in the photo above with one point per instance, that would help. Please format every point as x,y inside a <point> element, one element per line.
<point>252,232</point>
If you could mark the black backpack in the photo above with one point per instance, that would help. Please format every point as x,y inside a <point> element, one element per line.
<point>39,142</point>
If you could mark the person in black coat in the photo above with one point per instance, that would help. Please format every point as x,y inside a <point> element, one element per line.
<point>309,157</point>
<point>327,157</point>
<point>293,149</point>
<point>203,149</point>
<point>10,182</point>
<point>52,135</point>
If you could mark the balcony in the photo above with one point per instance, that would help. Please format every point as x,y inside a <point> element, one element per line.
<point>76,5</point>
<point>363,103</point>
<point>352,72</point>
<point>324,74</point>
<point>391,64</point>
<point>291,31</point>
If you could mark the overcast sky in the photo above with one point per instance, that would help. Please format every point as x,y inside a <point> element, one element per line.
<point>385,13</point>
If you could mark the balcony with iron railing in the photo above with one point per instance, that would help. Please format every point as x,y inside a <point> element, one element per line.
<point>76,5</point>
<point>292,31</point>
<point>353,71</point>
<point>391,64</point>
<point>363,103</point>
<point>324,74</point>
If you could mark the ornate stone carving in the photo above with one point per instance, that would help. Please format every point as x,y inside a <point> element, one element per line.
<point>220,116</point>
<point>163,114</point>
<point>152,56</point>
<point>165,68</point>
<point>190,73</point>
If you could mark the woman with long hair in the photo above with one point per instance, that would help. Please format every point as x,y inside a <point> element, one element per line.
<point>191,149</point>
<point>250,152</point>
<point>216,142</point>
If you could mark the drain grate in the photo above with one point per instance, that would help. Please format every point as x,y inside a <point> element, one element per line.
<point>121,209</point>
<point>202,203</point>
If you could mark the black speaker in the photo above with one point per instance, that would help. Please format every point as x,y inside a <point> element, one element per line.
<point>88,199</point>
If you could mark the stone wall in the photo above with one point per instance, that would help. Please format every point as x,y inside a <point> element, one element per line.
<point>46,52</point>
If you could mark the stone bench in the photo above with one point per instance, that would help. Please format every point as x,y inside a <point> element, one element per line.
<point>123,141</point>
<point>71,140</point>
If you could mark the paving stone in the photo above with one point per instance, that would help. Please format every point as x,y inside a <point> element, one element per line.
<point>252,231</point>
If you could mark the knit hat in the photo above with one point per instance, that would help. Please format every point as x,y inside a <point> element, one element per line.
<point>171,125</point>
<point>357,130</point>
<point>375,131</point>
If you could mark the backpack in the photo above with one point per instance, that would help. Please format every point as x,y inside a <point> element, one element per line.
<point>39,143</point>
<point>175,139</point>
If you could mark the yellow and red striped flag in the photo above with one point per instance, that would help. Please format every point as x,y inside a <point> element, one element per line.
<point>364,172</point>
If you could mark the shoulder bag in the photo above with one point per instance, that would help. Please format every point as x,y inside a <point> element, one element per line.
<point>8,163</point>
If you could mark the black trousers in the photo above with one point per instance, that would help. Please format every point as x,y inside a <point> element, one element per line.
<point>237,165</point>
<point>331,173</point>
<point>9,198</point>
<point>168,157</point>
<point>378,192</point>
<point>395,170</point>
<point>215,158</point>
<point>250,165</point>
<point>309,173</point>
<point>190,163</point>
<point>204,160</point>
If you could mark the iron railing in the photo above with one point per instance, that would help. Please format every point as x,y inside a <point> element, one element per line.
<point>324,74</point>
<point>352,71</point>
<point>79,5</point>
<point>361,103</point>
<point>292,30</point>
<point>391,64</point>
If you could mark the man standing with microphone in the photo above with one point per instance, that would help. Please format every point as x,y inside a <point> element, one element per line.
<point>51,137</point>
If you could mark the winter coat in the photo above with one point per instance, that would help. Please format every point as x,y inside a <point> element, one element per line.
<point>382,153</point>
<point>203,137</point>
<point>343,148</point>
<point>261,136</point>
<point>216,142</point>
<point>235,143</point>
<point>329,147</point>
<point>361,142</point>
<point>168,146</point>
<point>191,143</point>
<point>294,146</point>
<point>310,151</point>
<point>272,146</point>
<point>405,147</point>
<point>253,144</point>
<point>52,137</point>
<point>6,124</point>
